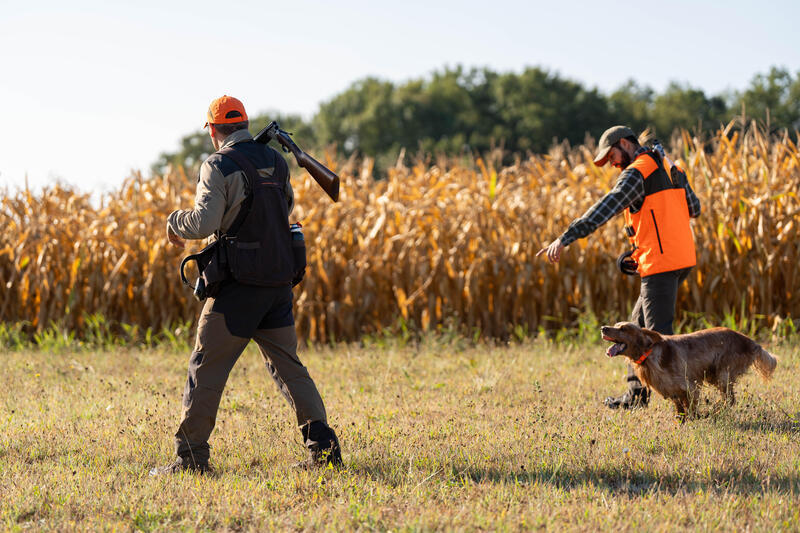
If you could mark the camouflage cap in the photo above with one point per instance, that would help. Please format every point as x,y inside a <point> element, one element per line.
<point>609,138</point>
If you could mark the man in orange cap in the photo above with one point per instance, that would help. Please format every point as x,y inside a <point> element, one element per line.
<point>658,204</point>
<point>243,200</point>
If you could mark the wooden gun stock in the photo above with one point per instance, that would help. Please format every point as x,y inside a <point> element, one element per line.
<point>321,174</point>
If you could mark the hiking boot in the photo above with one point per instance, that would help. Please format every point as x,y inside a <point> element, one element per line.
<point>181,464</point>
<point>632,399</point>
<point>323,447</point>
<point>330,457</point>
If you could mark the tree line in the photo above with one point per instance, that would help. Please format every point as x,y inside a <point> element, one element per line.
<point>457,110</point>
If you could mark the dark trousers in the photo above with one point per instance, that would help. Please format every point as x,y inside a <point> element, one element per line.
<point>655,308</point>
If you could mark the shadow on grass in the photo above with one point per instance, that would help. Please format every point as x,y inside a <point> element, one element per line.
<point>764,419</point>
<point>638,483</point>
<point>621,480</point>
<point>782,426</point>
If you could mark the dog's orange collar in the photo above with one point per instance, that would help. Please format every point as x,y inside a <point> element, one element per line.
<point>643,357</point>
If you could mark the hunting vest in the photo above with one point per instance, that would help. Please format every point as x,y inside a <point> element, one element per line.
<point>660,230</point>
<point>258,245</point>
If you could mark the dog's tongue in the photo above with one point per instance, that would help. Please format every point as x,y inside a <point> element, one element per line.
<point>614,349</point>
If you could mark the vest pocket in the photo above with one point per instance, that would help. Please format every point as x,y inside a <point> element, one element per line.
<point>658,235</point>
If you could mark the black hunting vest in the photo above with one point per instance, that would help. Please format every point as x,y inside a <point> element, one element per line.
<point>258,245</point>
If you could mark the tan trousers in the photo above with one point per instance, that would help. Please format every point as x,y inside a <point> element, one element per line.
<point>216,351</point>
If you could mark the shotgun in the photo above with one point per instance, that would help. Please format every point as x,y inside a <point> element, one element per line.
<point>321,174</point>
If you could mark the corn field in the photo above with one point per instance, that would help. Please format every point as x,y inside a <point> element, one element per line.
<point>441,244</point>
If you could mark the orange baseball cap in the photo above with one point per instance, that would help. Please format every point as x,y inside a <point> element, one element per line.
<point>225,110</point>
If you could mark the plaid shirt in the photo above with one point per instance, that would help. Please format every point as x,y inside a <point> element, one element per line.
<point>627,192</point>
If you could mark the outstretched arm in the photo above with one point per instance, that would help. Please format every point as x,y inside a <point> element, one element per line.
<point>629,190</point>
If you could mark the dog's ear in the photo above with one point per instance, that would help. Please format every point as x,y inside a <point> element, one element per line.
<point>651,338</point>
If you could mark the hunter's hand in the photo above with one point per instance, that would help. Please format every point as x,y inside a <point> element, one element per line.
<point>174,239</point>
<point>553,251</point>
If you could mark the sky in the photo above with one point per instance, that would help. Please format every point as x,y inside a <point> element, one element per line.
<point>93,91</point>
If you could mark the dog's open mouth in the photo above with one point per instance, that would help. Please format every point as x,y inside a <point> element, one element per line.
<point>615,348</point>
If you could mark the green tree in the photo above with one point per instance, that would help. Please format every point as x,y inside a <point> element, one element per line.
<point>775,97</point>
<point>682,106</point>
<point>537,108</point>
<point>364,118</point>
<point>632,105</point>
<point>449,112</point>
<point>456,109</point>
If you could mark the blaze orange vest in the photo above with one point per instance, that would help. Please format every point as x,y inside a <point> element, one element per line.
<point>660,230</point>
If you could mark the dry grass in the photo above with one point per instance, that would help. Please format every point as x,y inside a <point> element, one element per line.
<point>435,436</point>
<point>446,244</point>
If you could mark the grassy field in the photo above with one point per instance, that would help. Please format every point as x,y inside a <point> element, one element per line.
<point>436,435</point>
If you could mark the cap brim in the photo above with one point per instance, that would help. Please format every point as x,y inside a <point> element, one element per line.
<point>602,157</point>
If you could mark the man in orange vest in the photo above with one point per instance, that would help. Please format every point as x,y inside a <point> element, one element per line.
<point>658,203</point>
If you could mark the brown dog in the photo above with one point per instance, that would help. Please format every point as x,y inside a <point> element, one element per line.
<point>676,365</point>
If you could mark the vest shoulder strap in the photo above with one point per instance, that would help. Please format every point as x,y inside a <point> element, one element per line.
<point>250,178</point>
<point>645,164</point>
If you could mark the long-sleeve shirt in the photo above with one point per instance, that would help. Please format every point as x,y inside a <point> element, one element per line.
<point>219,195</point>
<point>627,192</point>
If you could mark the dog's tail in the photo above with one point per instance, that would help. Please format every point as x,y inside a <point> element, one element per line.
<point>765,363</point>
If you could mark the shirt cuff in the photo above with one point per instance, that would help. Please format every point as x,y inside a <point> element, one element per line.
<point>567,238</point>
<point>171,224</point>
